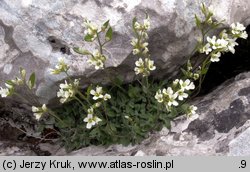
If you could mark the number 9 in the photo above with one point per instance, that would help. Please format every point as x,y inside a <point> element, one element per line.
<point>243,163</point>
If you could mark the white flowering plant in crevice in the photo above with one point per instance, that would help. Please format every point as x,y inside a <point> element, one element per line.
<point>120,112</point>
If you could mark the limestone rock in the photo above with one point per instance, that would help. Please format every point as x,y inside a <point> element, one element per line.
<point>33,34</point>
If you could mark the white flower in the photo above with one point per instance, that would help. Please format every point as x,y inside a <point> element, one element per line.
<point>175,82</point>
<point>146,24</point>
<point>97,93</point>
<point>136,51</point>
<point>91,28</point>
<point>144,67</point>
<point>97,59</point>
<point>4,92</point>
<point>142,27</point>
<point>38,116</point>
<point>217,44</point>
<point>145,51</point>
<point>60,67</point>
<point>91,111</point>
<point>134,41</point>
<point>215,57</point>
<point>169,93</point>
<point>206,49</point>
<point>212,40</point>
<point>97,63</point>
<point>67,91</point>
<point>34,109</point>
<point>231,44</point>
<point>181,94</point>
<point>106,97</point>
<point>187,84</point>
<point>17,81</point>
<point>159,96</point>
<point>144,45</point>
<point>139,66</point>
<point>224,34</point>
<point>137,26</point>
<point>139,62</point>
<point>221,44</point>
<point>144,35</point>
<point>191,111</point>
<point>91,120</point>
<point>150,64</point>
<point>244,35</point>
<point>39,111</point>
<point>196,76</point>
<point>238,30</point>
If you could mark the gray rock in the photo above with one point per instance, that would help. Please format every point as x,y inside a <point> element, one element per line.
<point>10,149</point>
<point>33,34</point>
<point>240,146</point>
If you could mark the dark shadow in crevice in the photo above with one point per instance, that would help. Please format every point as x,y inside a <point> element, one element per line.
<point>229,66</point>
<point>58,45</point>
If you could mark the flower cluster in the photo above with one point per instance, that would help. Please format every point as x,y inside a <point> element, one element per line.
<point>99,95</point>
<point>144,66</point>
<point>67,91</point>
<point>97,59</point>
<point>191,111</point>
<point>10,84</point>
<point>91,29</point>
<point>39,111</point>
<point>140,43</point>
<point>170,95</point>
<point>91,119</point>
<point>60,67</point>
<point>239,30</point>
<point>225,43</point>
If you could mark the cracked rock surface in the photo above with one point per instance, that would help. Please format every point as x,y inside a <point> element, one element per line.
<point>33,34</point>
<point>222,127</point>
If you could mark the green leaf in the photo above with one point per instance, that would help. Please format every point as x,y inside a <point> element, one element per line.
<point>112,127</point>
<point>133,91</point>
<point>203,9</point>
<point>204,71</point>
<point>81,51</point>
<point>9,82</point>
<point>133,23</point>
<point>184,71</point>
<point>88,91</point>
<point>32,80</point>
<point>197,21</point>
<point>89,38</point>
<point>118,80</point>
<point>105,25</point>
<point>109,34</point>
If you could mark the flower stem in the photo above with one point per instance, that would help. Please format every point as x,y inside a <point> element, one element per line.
<point>84,107</point>
<point>57,117</point>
